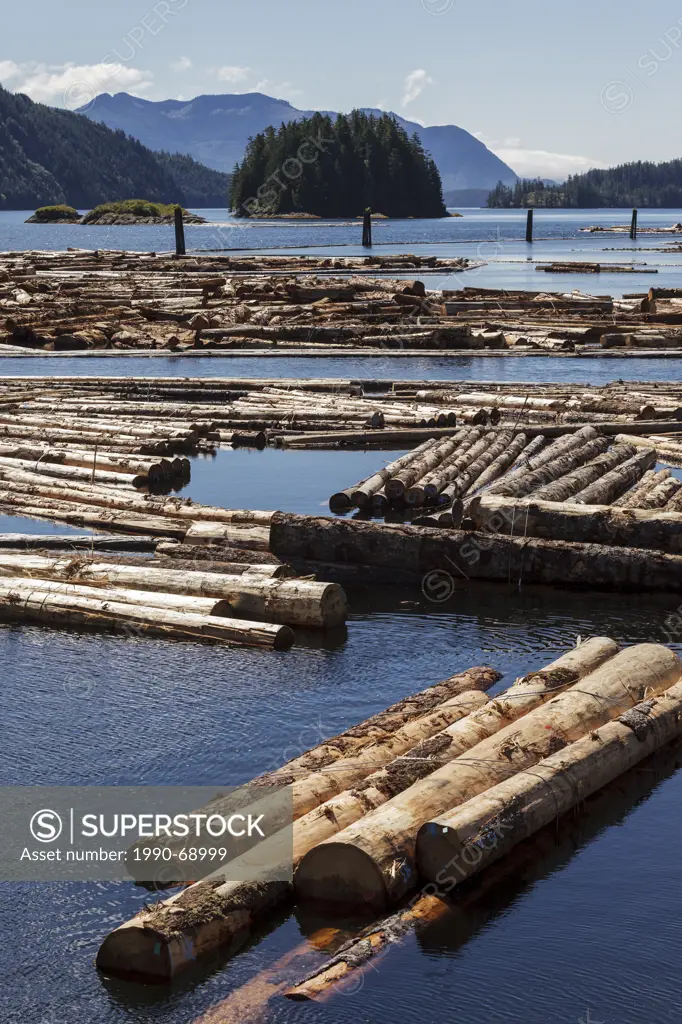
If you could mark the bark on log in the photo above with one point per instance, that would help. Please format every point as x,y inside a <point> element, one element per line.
<point>579,523</point>
<point>632,499</point>
<point>414,552</point>
<point>291,602</point>
<point>660,495</point>
<point>563,465</point>
<point>562,446</point>
<point>362,494</point>
<point>31,603</point>
<point>503,461</point>
<point>474,446</point>
<point>160,942</point>
<point>618,481</point>
<point>488,826</point>
<point>425,756</point>
<point>253,538</point>
<point>372,863</point>
<point>397,485</point>
<point>572,483</point>
<point>470,475</point>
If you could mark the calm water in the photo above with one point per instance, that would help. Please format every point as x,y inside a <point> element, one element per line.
<point>445,368</point>
<point>496,236</point>
<point>587,926</point>
<point>540,947</point>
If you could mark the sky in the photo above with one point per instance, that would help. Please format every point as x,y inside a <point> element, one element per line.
<point>551,88</point>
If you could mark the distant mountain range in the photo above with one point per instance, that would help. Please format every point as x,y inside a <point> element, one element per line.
<point>215,130</point>
<point>50,156</point>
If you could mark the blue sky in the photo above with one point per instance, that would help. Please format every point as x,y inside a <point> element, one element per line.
<point>551,88</point>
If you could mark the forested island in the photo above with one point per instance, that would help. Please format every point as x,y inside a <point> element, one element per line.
<point>641,184</point>
<point>337,167</point>
<point>55,157</point>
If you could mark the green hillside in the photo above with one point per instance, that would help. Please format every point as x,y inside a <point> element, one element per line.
<point>50,156</point>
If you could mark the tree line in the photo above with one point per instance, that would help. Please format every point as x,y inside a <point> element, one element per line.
<point>641,184</point>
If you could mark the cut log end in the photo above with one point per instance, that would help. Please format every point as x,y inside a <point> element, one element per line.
<point>341,877</point>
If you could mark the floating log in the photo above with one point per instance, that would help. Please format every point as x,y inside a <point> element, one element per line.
<point>160,942</point>
<point>31,603</point>
<point>585,524</point>
<point>435,746</point>
<point>490,825</point>
<point>372,863</point>
<point>574,482</point>
<point>415,552</point>
<point>291,602</point>
<point>650,480</point>
<point>616,482</point>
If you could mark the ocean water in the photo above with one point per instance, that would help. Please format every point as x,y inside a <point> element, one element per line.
<point>496,237</point>
<point>539,946</point>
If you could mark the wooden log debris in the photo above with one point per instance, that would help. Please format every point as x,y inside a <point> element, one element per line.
<point>373,863</point>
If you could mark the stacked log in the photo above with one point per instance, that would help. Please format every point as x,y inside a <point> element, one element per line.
<point>162,941</point>
<point>373,863</point>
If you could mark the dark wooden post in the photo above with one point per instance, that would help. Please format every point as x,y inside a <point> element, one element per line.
<point>633,226</point>
<point>529,226</point>
<point>367,229</point>
<point>179,232</point>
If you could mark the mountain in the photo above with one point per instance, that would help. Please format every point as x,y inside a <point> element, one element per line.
<point>466,197</point>
<point>50,156</point>
<point>641,184</point>
<point>216,130</point>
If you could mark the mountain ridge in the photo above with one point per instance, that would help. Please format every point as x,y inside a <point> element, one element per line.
<point>214,129</point>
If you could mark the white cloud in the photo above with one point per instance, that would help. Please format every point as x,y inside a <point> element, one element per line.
<point>415,83</point>
<point>9,70</point>
<point>73,85</point>
<point>233,73</point>
<point>181,64</point>
<point>538,163</point>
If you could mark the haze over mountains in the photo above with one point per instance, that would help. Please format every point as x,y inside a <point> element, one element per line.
<point>215,131</point>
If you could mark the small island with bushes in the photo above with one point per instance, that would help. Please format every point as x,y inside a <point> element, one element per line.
<point>128,211</point>
<point>61,214</point>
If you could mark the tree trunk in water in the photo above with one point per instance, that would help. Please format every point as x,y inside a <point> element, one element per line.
<point>474,445</point>
<point>161,941</point>
<point>499,465</point>
<point>372,863</point>
<point>532,481</point>
<point>562,446</point>
<point>488,826</point>
<point>292,602</point>
<point>572,483</point>
<point>618,481</point>
<point>661,494</point>
<point>414,552</point>
<point>31,603</point>
<point>650,480</point>
<point>377,788</point>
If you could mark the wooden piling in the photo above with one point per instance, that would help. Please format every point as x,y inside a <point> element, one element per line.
<point>179,232</point>
<point>529,226</point>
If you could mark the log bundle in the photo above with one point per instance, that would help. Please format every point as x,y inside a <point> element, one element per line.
<point>439,481</point>
<point>408,800</point>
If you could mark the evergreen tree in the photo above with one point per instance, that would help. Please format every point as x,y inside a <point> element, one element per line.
<point>337,168</point>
